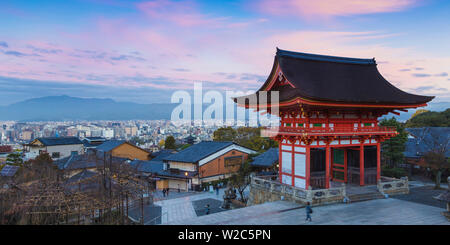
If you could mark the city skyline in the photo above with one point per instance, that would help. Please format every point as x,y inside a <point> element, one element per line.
<point>142,51</point>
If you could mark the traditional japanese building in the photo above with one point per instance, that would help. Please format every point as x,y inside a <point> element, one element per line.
<point>329,109</point>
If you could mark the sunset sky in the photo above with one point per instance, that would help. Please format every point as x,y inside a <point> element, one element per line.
<point>142,51</point>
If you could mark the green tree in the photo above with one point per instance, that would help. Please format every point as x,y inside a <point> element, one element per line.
<point>430,119</point>
<point>246,136</point>
<point>241,179</point>
<point>137,141</point>
<point>14,158</point>
<point>225,134</point>
<point>393,148</point>
<point>169,143</point>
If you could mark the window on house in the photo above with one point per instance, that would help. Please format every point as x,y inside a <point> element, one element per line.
<point>317,125</point>
<point>300,125</point>
<point>288,124</point>
<point>367,124</point>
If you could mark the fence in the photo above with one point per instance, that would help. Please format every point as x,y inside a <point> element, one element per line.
<point>268,183</point>
<point>387,185</point>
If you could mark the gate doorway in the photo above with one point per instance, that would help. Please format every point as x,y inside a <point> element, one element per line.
<point>339,165</point>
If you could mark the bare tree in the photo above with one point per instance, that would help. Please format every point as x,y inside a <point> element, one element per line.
<point>437,143</point>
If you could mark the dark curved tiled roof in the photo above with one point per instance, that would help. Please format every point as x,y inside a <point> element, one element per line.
<point>338,79</point>
<point>425,139</point>
<point>110,145</point>
<point>198,151</point>
<point>266,159</point>
<point>60,141</point>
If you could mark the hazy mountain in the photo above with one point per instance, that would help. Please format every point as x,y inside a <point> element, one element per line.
<point>57,108</point>
<point>432,106</point>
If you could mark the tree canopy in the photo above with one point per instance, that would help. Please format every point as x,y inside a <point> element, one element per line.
<point>393,148</point>
<point>429,119</point>
<point>246,136</point>
<point>169,143</point>
<point>14,158</point>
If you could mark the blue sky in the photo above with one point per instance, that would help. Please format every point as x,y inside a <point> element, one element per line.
<point>142,51</point>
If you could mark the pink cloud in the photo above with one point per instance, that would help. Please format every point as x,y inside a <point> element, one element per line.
<point>331,8</point>
<point>183,13</point>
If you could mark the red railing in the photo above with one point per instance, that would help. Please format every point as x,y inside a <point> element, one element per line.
<point>331,130</point>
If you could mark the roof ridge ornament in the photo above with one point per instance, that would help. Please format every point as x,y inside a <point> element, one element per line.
<point>328,58</point>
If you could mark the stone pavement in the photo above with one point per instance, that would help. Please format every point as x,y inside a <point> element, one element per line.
<point>375,212</point>
<point>423,195</point>
<point>174,209</point>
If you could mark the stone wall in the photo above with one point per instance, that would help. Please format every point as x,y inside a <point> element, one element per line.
<point>392,186</point>
<point>264,190</point>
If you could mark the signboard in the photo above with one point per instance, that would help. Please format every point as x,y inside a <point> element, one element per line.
<point>233,161</point>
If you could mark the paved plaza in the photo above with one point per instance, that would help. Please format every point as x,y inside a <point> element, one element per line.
<point>175,209</point>
<point>415,209</point>
<point>375,212</point>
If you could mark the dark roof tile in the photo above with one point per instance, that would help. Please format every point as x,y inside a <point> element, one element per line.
<point>266,159</point>
<point>198,151</point>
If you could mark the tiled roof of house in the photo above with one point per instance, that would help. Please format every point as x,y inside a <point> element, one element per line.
<point>425,139</point>
<point>147,166</point>
<point>198,151</point>
<point>266,159</point>
<point>84,161</point>
<point>160,155</point>
<point>93,141</point>
<point>9,170</point>
<point>157,168</point>
<point>110,145</point>
<point>85,174</point>
<point>50,141</point>
<point>5,148</point>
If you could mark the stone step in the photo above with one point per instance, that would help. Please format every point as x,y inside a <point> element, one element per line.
<point>365,197</point>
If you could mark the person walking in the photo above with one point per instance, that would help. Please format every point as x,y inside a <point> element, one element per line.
<point>207,209</point>
<point>217,190</point>
<point>167,191</point>
<point>164,192</point>
<point>308,212</point>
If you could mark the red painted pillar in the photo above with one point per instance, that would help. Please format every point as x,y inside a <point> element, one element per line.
<point>378,161</point>
<point>293,164</point>
<point>327,167</point>
<point>345,166</point>
<point>361,165</point>
<point>307,166</point>
<point>279,161</point>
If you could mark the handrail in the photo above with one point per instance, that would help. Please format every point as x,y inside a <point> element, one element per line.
<point>336,130</point>
<point>309,194</point>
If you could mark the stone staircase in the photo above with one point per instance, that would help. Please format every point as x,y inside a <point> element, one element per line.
<point>365,196</point>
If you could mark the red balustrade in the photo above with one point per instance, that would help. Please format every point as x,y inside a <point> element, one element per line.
<point>332,130</point>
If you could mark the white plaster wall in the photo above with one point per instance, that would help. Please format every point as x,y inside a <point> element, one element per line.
<point>300,165</point>
<point>300,183</point>
<point>286,164</point>
<point>287,179</point>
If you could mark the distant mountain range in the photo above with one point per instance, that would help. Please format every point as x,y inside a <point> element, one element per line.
<point>60,108</point>
<point>432,106</point>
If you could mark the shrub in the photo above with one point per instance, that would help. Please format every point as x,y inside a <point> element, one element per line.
<point>393,172</point>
